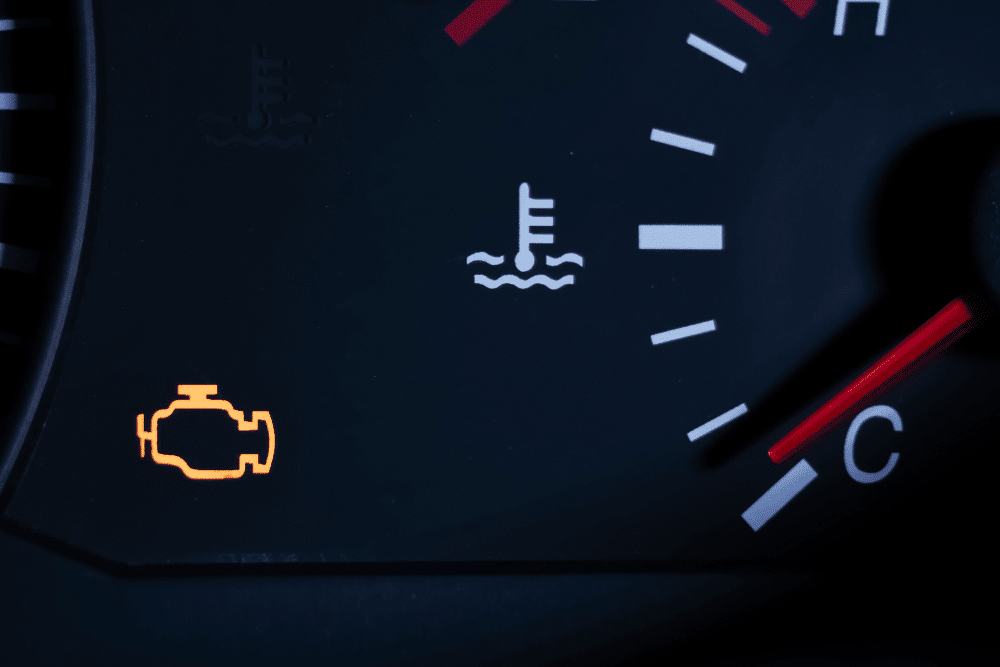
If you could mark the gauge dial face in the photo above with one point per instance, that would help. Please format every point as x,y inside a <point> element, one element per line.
<point>393,282</point>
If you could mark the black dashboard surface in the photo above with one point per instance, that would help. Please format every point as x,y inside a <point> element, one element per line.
<point>296,219</point>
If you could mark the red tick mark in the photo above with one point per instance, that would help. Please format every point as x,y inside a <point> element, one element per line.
<point>473,18</point>
<point>933,336</point>
<point>746,16</point>
<point>800,7</point>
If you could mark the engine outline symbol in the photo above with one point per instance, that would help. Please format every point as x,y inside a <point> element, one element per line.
<point>197,399</point>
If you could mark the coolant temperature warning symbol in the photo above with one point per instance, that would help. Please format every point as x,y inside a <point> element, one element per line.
<point>525,258</point>
<point>197,399</point>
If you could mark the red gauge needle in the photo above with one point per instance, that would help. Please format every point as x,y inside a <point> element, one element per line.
<point>473,18</point>
<point>889,368</point>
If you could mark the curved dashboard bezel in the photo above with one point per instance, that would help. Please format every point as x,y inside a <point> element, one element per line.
<point>64,264</point>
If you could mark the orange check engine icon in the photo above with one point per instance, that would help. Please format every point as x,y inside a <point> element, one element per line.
<point>198,399</point>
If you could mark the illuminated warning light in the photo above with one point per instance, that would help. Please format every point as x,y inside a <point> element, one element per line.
<point>197,399</point>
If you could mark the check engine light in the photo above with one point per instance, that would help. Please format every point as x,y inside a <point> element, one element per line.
<point>197,399</point>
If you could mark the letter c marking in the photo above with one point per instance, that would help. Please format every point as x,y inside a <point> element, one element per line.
<point>858,475</point>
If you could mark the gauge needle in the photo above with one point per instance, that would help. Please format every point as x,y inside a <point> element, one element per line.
<point>473,18</point>
<point>940,328</point>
